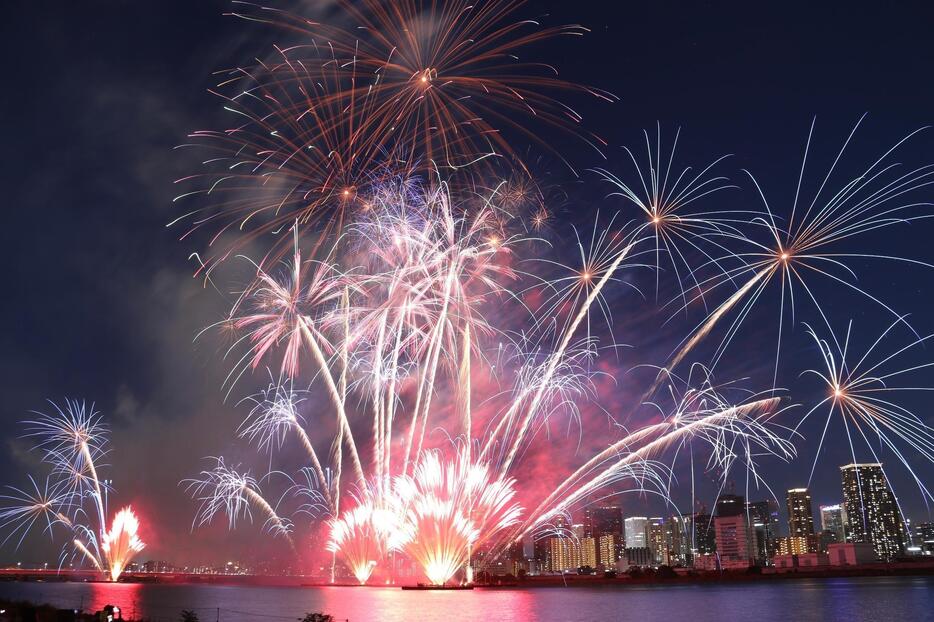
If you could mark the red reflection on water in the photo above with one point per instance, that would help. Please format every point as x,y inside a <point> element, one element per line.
<point>123,595</point>
<point>394,604</point>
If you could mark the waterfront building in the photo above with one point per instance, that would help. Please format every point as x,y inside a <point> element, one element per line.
<point>706,561</point>
<point>800,513</point>
<point>635,532</point>
<point>804,561</point>
<point>603,520</point>
<point>608,551</point>
<point>924,537</point>
<point>703,535</point>
<point>833,521</point>
<point>656,538</point>
<point>588,546</point>
<point>677,540</point>
<point>851,554</point>
<point>872,511</point>
<point>638,556</point>
<point>605,525</point>
<point>565,554</point>
<point>793,545</point>
<point>736,541</point>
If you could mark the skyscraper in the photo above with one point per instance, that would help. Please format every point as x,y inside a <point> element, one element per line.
<point>763,518</point>
<point>657,540</point>
<point>565,554</point>
<point>800,513</point>
<point>635,532</point>
<point>605,526</point>
<point>609,550</point>
<point>832,521</point>
<point>678,541</point>
<point>588,547</point>
<point>872,510</point>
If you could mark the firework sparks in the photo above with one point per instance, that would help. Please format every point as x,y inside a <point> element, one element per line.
<point>227,491</point>
<point>73,440</point>
<point>369,144</point>
<point>121,543</point>
<point>365,534</point>
<point>667,199</point>
<point>452,507</point>
<point>806,246</point>
<point>859,392</point>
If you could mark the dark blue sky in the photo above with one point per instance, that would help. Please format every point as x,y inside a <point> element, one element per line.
<point>100,302</point>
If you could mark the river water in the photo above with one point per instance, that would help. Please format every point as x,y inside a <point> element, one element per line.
<point>829,600</point>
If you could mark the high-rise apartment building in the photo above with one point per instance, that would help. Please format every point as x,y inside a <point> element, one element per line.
<point>800,513</point>
<point>678,540</point>
<point>609,550</point>
<point>703,535</point>
<point>872,511</point>
<point>603,520</point>
<point>588,546</point>
<point>657,540</point>
<point>565,554</point>
<point>605,526</point>
<point>793,545</point>
<point>924,537</point>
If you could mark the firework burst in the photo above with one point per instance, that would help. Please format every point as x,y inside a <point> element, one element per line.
<point>861,390</point>
<point>372,147</point>
<point>73,441</point>
<point>809,245</point>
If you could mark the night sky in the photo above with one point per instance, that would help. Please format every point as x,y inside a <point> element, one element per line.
<point>100,301</point>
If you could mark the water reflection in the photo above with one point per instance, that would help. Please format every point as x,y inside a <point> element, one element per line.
<point>834,600</point>
<point>124,595</point>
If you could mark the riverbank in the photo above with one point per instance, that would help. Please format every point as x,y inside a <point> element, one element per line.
<point>663,575</point>
<point>818,600</point>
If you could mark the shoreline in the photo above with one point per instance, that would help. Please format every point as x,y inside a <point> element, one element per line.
<point>649,577</point>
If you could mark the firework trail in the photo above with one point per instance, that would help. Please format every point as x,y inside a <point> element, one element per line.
<point>73,441</point>
<point>235,494</point>
<point>275,415</point>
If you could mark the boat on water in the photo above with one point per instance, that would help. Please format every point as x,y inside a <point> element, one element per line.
<point>427,586</point>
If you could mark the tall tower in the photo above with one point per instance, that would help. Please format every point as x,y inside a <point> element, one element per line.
<point>655,533</point>
<point>872,510</point>
<point>800,514</point>
<point>605,526</point>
